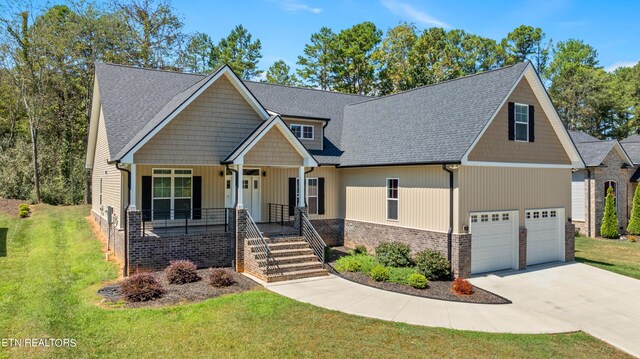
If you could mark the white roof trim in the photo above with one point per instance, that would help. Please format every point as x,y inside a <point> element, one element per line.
<point>549,110</point>
<point>235,81</point>
<point>96,109</point>
<point>308,160</point>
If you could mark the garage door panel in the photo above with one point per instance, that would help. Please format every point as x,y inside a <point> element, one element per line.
<point>492,242</point>
<point>544,235</point>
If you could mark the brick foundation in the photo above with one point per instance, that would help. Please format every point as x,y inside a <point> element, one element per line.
<point>461,255</point>
<point>569,243</point>
<point>331,230</point>
<point>522,248</point>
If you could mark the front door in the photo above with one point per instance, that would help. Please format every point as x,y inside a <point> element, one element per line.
<point>250,188</point>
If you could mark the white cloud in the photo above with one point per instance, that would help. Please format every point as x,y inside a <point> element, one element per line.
<point>403,9</point>
<point>294,6</point>
<point>619,64</point>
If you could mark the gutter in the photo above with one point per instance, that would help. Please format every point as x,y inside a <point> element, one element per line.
<point>403,164</point>
<point>125,268</point>
<point>450,231</point>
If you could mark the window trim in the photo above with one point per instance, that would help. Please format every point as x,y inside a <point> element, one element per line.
<point>392,199</point>
<point>173,175</point>
<point>301,137</point>
<point>516,122</point>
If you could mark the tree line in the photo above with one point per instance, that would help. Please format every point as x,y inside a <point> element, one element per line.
<point>48,56</point>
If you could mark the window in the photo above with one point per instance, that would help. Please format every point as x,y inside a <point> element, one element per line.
<point>553,214</point>
<point>312,195</point>
<point>484,218</point>
<point>612,185</point>
<point>392,199</point>
<point>172,192</point>
<point>505,216</point>
<point>545,214</point>
<point>474,219</point>
<point>303,132</point>
<point>522,122</point>
<point>495,217</point>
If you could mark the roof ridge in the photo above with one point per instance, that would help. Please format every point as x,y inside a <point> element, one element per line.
<point>438,83</point>
<point>309,88</point>
<point>151,69</point>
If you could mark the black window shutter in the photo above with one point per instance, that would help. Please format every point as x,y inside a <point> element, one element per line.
<point>292,195</point>
<point>197,197</point>
<point>532,122</point>
<point>321,195</point>
<point>146,198</point>
<point>512,122</point>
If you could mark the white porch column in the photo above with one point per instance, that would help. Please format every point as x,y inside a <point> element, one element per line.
<point>134,194</point>
<point>301,186</point>
<point>240,187</point>
<point>233,189</point>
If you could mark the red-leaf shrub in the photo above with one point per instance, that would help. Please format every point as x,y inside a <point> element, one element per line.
<point>462,287</point>
<point>181,272</point>
<point>141,287</point>
<point>219,277</point>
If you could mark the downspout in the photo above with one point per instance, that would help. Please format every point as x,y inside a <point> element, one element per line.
<point>588,202</point>
<point>235,220</point>
<point>125,268</point>
<point>450,231</point>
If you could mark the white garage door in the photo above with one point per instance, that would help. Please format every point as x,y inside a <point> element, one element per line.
<point>545,235</point>
<point>494,238</point>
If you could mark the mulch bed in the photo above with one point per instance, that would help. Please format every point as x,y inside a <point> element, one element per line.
<point>179,293</point>
<point>10,206</point>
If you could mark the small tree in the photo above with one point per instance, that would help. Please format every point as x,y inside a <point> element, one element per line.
<point>609,228</point>
<point>634,222</point>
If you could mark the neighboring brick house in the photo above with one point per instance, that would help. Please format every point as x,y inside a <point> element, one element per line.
<point>607,165</point>
<point>478,168</point>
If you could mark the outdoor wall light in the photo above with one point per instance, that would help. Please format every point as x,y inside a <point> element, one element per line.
<point>221,173</point>
<point>264,173</point>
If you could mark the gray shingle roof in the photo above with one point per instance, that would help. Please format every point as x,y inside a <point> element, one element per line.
<point>631,146</point>
<point>593,150</point>
<point>579,136</point>
<point>436,123</point>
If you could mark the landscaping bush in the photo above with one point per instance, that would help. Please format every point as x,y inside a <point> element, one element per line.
<point>432,265</point>
<point>379,273</point>
<point>634,222</point>
<point>418,281</point>
<point>365,261</point>
<point>141,287</point>
<point>400,275</point>
<point>462,287</point>
<point>349,264</point>
<point>394,254</point>
<point>23,210</point>
<point>181,272</point>
<point>359,250</point>
<point>218,277</point>
<point>609,227</point>
<point>23,214</point>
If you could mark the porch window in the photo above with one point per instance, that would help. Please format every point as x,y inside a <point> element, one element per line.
<point>303,132</point>
<point>172,193</point>
<point>392,199</point>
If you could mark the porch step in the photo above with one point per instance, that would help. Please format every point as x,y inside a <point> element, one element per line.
<point>291,252</point>
<point>284,239</point>
<point>279,269</point>
<point>280,246</point>
<point>301,274</point>
<point>305,258</point>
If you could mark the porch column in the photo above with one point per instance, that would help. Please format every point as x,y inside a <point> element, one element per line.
<point>233,189</point>
<point>301,186</point>
<point>132,203</point>
<point>240,187</point>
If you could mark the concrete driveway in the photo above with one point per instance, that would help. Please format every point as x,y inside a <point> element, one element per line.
<point>546,299</point>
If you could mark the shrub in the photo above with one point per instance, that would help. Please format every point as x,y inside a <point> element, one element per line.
<point>366,262</point>
<point>632,238</point>
<point>359,250</point>
<point>462,287</point>
<point>141,287</point>
<point>181,272</point>
<point>349,264</point>
<point>218,277</point>
<point>418,281</point>
<point>634,221</point>
<point>394,254</point>
<point>400,275</point>
<point>23,214</point>
<point>432,265</point>
<point>609,227</point>
<point>379,273</point>
<point>24,207</point>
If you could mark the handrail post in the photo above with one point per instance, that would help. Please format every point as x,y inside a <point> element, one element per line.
<point>186,224</point>
<point>281,215</point>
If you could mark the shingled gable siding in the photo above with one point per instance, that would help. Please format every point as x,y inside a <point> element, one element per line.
<point>111,177</point>
<point>494,145</point>
<point>273,149</point>
<point>316,143</point>
<point>206,131</point>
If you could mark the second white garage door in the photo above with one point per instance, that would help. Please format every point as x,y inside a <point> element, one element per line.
<point>545,235</point>
<point>494,240</point>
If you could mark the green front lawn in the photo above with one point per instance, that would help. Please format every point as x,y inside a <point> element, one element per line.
<point>53,266</point>
<point>621,257</point>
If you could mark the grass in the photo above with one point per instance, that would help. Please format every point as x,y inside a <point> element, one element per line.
<point>53,267</point>
<point>621,257</point>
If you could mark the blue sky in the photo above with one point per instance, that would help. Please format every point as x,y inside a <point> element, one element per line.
<point>284,26</point>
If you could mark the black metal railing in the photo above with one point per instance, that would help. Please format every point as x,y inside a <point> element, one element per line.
<point>182,221</point>
<point>252,233</point>
<point>280,214</point>
<point>312,238</point>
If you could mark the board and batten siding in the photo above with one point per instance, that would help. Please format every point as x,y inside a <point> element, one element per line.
<point>273,149</point>
<point>578,203</point>
<point>318,133</point>
<point>275,189</point>
<point>512,188</point>
<point>494,145</point>
<point>206,131</point>
<point>111,177</point>
<point>423,196</point>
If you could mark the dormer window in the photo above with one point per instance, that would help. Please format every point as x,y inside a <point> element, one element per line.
<point>522,122</point>
<point>302,132</point>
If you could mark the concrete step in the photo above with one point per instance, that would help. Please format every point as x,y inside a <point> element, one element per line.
<point>293,267</point>
<point>277,253</point>
<point>289,259</point>
<point>309,273</point>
